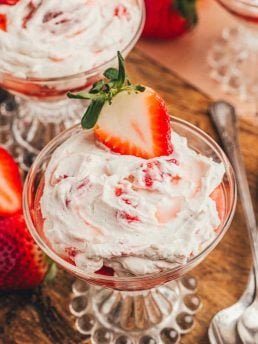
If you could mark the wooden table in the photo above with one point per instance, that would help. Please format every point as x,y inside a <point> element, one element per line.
<point>42,317</point>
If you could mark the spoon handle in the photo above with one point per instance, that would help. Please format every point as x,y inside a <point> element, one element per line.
<point>224,118</point>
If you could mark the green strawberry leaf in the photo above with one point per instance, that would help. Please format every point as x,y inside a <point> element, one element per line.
<point>111,74</point>
<point>187,9</point>
<point>97,86</point>
<point>104,90</point>
<point>81,95</point>
<point>121,70</point>
<point>140,88</point>
<point>91,115</point>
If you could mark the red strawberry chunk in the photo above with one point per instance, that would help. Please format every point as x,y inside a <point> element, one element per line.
<point>71,251</point>
<point>127,201</point>
<point>148,180</point>
<point>129,218</point>
<point>84,183</point>
<point>119,192</point>
<point>3,22</point>
<point>174,161</point>
<point>120,11</point>
<point>106,271</point>
<point>51,15</point>
<point>125,195</point>
<point>32,9</point>
<point>152,172</point>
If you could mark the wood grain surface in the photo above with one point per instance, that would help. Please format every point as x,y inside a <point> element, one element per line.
<point>41,316</point>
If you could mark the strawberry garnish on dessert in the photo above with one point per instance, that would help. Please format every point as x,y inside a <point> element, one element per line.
<point>129,119</point>
<point>10,185</point>
<point>169,18</point>
<point>3,22</point>
<point>22,263</point>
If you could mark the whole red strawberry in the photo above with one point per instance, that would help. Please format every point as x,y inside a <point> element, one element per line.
<point>169,18</point>
<point>22,263</point>
<point>10,185</point>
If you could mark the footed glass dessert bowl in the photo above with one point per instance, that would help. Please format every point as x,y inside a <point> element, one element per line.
<point>47,50</point>
<point>233,57</point>
<point>122,306</point>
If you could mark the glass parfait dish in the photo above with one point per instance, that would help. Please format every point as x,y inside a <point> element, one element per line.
<point>43,109</point>
<point>150,308</point>
<point>233,58</point>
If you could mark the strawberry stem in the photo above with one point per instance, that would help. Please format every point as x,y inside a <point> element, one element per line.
<point>102,91</point>
<point>121,71</point>
<point>187,9</point>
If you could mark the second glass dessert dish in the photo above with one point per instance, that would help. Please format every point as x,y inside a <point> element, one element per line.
<point>234,56</point>
<point>137,304</point>
<point>50,48</point>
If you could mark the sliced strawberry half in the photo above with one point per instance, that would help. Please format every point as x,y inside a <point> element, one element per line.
<point>10,185</point>
<point>3,22</point>
<point>129,119</point>
<point>135,124</point>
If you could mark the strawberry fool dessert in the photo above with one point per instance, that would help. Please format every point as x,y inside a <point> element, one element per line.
<point>46,39</point>
<point>127,196</point>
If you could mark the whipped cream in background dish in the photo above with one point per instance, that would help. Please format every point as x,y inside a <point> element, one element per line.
<point>134,215</point>
<point>58,38</point>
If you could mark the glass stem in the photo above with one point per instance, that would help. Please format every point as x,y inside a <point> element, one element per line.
<point>36,123</point>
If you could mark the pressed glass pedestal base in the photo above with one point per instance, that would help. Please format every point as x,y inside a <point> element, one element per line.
<point>36,123</point>
<point>159,315</point>
<point>233,59</point>
<point>7,110</point>
<point>27,126</point>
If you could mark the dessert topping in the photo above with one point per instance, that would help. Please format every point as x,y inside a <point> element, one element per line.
<point>129,119</point>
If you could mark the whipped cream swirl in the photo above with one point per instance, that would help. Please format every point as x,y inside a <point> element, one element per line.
<point>58,38</point>
<point>137,216</point>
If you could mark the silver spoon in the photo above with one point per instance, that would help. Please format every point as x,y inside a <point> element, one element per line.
<point>224,118</point>
<point>223,327</point>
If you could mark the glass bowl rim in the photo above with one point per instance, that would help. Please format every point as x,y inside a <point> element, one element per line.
<point>93,276</point>
<point>90,72</point>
